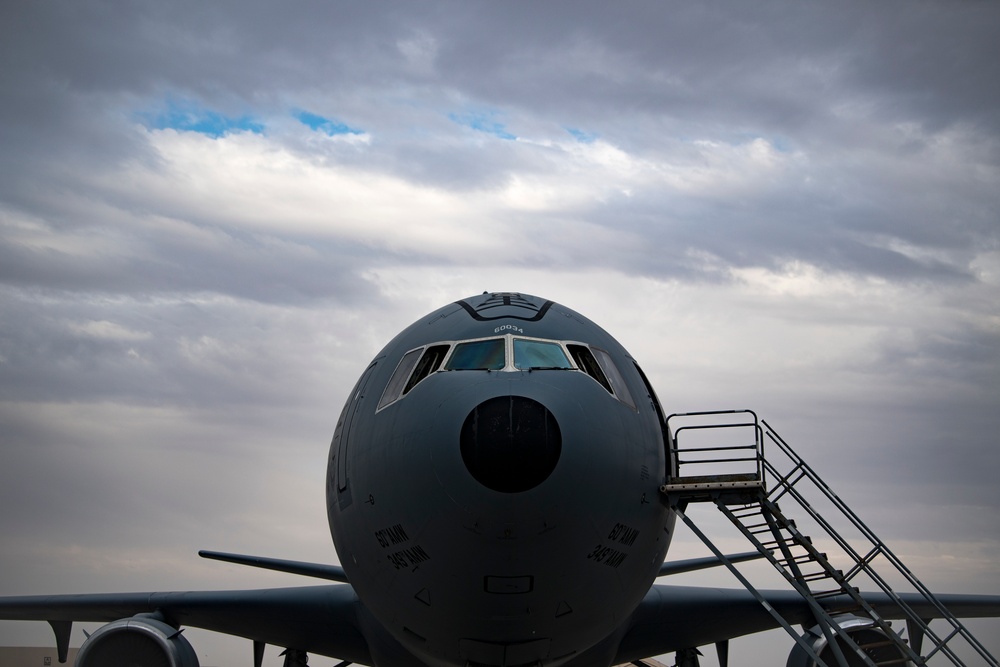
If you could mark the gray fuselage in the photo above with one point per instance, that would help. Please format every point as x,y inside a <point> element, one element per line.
<point>493,485</point>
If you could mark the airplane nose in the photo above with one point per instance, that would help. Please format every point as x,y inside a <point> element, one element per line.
<point>510,443</point>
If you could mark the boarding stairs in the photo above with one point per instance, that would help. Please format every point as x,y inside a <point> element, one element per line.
<point>720,459</point>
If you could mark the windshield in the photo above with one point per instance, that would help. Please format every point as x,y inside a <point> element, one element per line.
<point>481,355</point>
<point>530,354</point>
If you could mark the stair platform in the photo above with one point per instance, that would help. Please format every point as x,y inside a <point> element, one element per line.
<point>732,489</point>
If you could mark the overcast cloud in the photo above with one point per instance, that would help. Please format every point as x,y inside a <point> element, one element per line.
<point>212,215</point>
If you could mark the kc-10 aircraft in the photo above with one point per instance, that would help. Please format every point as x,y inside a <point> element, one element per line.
<point>493,493</point>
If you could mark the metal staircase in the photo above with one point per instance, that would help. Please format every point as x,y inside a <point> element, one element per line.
<point>720,458</point>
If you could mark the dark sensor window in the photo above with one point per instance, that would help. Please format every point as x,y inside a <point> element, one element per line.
<point>510,443</point>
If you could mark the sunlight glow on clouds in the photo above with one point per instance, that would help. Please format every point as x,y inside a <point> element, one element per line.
<point>268,187</point>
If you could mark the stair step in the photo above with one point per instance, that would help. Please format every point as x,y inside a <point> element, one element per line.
<point>801,542</point>
<point>799,560</point>
<point>753,509</point>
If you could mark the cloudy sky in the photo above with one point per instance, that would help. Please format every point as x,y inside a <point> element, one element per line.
<point>213,215</point>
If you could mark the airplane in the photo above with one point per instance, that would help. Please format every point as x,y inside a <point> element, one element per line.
<point>493,492</point>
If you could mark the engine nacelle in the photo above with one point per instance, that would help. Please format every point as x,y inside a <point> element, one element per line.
<point>140,641</point>
<point>862,631</point>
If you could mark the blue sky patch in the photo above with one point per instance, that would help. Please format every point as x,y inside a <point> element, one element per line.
<point>482,121</point>
<point>581,136</point>
<point>327,126</point>
<point>187,116</point>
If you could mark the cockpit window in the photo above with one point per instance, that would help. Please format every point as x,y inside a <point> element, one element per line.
<point>614,376</point>
<point>394,389</point>
<point>484,355</point>
<point>537,354</point>
<point>430,362</point>
<point>506,353</point>
<point>585,360</point>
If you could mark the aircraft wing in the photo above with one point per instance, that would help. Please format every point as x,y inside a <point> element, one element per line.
<point>324,620</point>
<point>317,619</point>
<point>672,618</point>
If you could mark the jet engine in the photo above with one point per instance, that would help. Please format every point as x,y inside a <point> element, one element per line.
<point>873,641</point>
<point>143,641</point>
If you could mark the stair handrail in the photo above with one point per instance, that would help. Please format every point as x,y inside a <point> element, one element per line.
<point>757,446</point>
<point>880,547</point>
